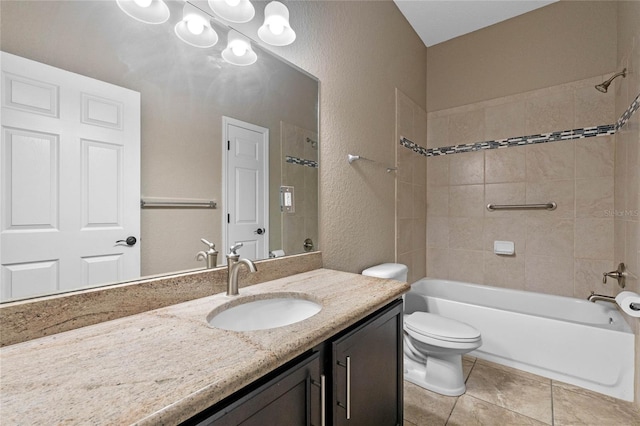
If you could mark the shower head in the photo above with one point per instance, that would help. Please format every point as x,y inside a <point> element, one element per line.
<point>602,87</point>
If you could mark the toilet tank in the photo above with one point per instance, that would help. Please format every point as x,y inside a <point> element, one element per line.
<point>394,271</point>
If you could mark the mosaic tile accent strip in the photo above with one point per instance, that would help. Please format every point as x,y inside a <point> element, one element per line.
<point>582,133</point>
<point>413,146</point>
<point>301,161</point>
<point>635,105</point>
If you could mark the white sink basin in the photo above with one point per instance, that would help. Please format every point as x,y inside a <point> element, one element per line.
<point>263,311</point>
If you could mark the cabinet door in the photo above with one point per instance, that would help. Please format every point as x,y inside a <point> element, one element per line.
<point>292,397</point>
<point>367,365</point>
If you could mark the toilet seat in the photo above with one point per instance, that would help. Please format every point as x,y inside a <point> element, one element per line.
<point>426,327</point>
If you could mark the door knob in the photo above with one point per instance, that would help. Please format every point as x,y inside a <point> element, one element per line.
<point>260,231</point>
<point>131,241</point>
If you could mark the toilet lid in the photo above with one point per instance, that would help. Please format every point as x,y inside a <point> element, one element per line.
<point>441,328</point>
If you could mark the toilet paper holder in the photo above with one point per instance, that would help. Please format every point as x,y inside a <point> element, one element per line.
<point>618,274</point>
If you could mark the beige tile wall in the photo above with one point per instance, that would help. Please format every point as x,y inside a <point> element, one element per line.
<point>627,161</point>
<point>561,252</point>
<point>411,190</point>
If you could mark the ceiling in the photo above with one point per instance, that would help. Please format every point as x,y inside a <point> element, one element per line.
<point>436,21</point>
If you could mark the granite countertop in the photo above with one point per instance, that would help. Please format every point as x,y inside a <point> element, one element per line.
<point>166,365</point>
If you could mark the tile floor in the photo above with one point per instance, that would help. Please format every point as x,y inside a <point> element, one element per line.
<point>501,396</point>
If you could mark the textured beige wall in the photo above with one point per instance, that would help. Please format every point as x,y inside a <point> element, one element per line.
<point>559,43</point>
<point>361,51</point>
<point>627,163</point>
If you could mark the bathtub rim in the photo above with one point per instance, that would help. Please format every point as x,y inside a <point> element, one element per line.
<point>613,308</point>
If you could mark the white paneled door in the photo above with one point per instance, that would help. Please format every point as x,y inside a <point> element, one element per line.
<point>247,187</point>
<point>70,180</point>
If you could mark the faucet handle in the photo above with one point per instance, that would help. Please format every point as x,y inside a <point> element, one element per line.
<point>235,247</point>
<point>618,274</point>
<point>211,245</point>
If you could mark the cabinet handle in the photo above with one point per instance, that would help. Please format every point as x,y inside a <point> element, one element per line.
<point>348,388</point>
<point>323,401</point>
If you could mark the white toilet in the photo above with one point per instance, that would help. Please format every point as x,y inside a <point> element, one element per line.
<point>433,345</point>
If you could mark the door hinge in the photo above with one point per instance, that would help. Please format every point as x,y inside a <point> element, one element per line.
<point>228,145</point>
<point>228,218</point>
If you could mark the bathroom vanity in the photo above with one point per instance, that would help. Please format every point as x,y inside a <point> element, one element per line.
<point>355,377</point>
<point>168,366</point>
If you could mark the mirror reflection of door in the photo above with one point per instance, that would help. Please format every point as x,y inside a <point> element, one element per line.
<point>246,173</point>
<point>70,167</point>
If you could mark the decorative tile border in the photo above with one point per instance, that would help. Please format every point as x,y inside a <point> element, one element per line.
<point>635,105</point>
<point>582,133</point>
<point>586,132</point>
<point>414,146</point>
<point>301,161</point>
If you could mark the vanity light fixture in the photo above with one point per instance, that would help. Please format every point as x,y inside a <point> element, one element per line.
<point>238,51</point>
<point>147,11</point>
<point>195,28</point>
<point>238,11</point>
<point>276,29</point>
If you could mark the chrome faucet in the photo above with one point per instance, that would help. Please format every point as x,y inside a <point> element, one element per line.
<point>233,267</point>
<point>210,256</point>
<point>593,297</point>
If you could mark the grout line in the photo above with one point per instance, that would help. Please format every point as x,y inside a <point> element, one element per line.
<point>458,397</point>
<point>471,371</point>
<point>452,408</point>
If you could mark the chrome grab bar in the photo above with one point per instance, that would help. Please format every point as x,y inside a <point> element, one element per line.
<point>547,206</point>
<point>202,204</point>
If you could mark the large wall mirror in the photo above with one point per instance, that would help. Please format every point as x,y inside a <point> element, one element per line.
<point>189,100</point>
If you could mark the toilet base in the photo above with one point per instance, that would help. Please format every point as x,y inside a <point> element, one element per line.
<point>441,374</point>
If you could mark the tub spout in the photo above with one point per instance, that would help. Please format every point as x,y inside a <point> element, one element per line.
<point>593,297</point>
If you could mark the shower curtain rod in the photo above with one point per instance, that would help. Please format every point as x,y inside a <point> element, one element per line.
<point>351,158</point>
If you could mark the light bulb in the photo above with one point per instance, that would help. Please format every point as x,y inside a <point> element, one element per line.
<point>195,25</point>
<point>143,3</point>
<point>239,49</point>
<point>232,3</point>
<point>276,28</point>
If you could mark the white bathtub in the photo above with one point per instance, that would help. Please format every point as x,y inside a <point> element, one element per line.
<point>575,341</point>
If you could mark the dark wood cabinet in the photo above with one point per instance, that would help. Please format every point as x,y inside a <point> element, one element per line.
<point>289,396</point>
<point>354,378</point>
<point>367,371</point>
